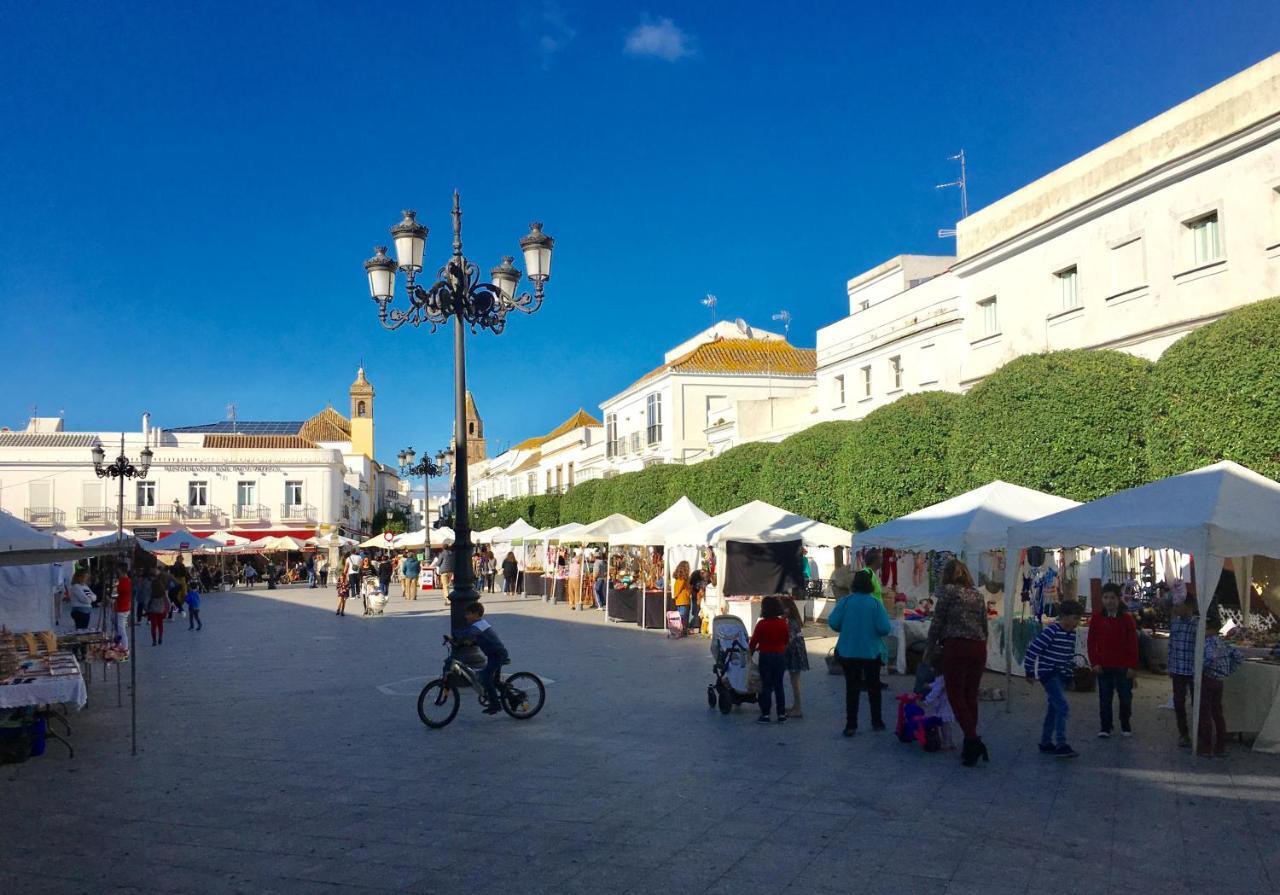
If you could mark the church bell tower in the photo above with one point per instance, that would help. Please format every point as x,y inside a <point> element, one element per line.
<point>362,416</point>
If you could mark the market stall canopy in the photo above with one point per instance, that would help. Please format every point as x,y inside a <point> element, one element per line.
<point>759,523</point>
<point>598,532</point>
<point>180,541</point>
<point>681,514</point>
<point>552,535</point>
<point>439,538</point>
<point>486,536</point>
<point>380,540</point>
<point>284,542</point>
<point>972,522</point>
<point>333,539</point>
<point>517,529</point>
<point>21,545</point>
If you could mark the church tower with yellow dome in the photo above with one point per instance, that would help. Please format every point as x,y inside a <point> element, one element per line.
<point>362,416</point>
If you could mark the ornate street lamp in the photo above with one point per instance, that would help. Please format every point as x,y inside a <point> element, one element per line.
<point>459,294</point>
<point>426,469</point>
<point>123,468</point>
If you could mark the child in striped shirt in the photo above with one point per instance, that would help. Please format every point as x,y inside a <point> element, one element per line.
<point>1051,657</point>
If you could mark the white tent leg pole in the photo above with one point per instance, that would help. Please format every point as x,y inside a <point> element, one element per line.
<point>1012,566</point>
<point>1207,573</point>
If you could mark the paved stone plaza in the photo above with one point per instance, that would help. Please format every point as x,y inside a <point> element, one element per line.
<point>281,752</point>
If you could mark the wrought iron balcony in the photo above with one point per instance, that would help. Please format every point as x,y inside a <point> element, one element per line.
<point>250,512</point>
<point>44,517</point>
<point>297,512</point>
<point>96,515</point>
<point>208,514</point>
<point>162,514</point>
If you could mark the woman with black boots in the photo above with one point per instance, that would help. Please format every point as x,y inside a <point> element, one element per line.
<point>959,633</point>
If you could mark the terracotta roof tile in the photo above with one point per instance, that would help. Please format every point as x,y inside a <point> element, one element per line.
<point>577,421</point>
<point>744,356</point>
<point>48,439</point>
<point>256,442</point>
<point>327,425</point>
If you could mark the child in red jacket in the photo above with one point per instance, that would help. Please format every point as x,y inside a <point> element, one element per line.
<point>1113,653</point>
<point>769,639</point>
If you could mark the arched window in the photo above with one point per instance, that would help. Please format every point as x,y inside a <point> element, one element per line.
<point>360,411</point>
<point>471,428</point>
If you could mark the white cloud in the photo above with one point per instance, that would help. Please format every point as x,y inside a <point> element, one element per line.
<point>555,31</point>
<point>661,38</point>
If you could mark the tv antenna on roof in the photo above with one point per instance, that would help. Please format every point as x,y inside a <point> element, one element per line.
<point>231,415</point>
<point>962,183</point>
<point>785,317</point>
<point>743,328</point>
<point>710,302</point>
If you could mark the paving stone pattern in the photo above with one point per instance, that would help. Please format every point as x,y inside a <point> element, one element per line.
<point>281,752</point>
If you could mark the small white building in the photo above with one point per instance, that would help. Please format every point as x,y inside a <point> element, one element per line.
<point>1131,246</point>
<point>546,464</point>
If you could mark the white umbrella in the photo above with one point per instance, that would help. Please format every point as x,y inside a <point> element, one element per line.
<point>280,543</point>
<point>180,541</point>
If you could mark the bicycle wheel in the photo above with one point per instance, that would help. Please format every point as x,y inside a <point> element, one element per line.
<point>437,704</point>
<point>523,695</point>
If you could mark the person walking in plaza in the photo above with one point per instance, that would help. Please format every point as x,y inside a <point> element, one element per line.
<point>311,572</point>
<point>1113,653</point>
<point>769,639</point>
<point>353,567</point>
<point>410,569</point>
<point>193,611</point>
<point>797,655</point>
<point>1051,657</point>
<point>1221,660</point>
<point>82,598</point>
<point>600,580</point>
<point>487,568</point>
<point>1182,664</point>
<point>158,606</point>
<point>124,606</point>
<point>323,571</point>
<point>444,570</point>
<point>959,633</point>
<point>385,568</point>
<point>862,623</point>
<point>680,591</point>
<point>510,571</point>
<point>250,575</point>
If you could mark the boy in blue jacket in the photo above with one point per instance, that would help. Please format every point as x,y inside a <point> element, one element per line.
<point>1051,657</point>
<point>482,634</point>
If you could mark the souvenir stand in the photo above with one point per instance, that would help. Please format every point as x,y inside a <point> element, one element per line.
<point>415,540</point>
<point>545,580</point>
<point>510,540</point>
<point>760,550</point>
<point>973,526</point>
<point>39,681</point>
<point>640,605</point>
<point>1220,512</point>
<point>597,532</point>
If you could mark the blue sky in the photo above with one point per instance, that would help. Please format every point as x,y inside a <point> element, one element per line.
<point>189,190</point>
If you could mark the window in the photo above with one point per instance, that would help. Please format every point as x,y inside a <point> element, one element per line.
<point>1205,243</point>
<point>570,473</point>
<point>293,493</point>
<point>146,494</point>
<point>635,442</point>
<point>866,382</point>
<point>197,494</point>
<point>610,434</point>
<point>653,418</point>
<point>246,494</point>
<point>1128,268</point>
<point>717,406</point>
<point>839,390</point>
<point>928,364</point>
<point>559,478</point>
<point>895,372</point>
<point>531,482</point>
<point>548,481</point>
<point>1068,288</point>
<point>988,318</point>
<point>360,408</point>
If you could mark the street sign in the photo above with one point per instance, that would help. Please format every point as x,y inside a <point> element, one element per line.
<point>146,534</point>
<point>389,536</point>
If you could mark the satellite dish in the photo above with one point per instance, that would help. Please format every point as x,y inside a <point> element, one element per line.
<point>743,328</point>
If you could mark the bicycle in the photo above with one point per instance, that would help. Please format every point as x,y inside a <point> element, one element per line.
<point>521,695</point>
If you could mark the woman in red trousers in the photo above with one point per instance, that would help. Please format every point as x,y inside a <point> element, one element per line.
<point>959,630</point>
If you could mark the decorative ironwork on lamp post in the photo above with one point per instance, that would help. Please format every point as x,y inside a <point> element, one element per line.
<point>120,469</point>
<point>426,469</point>
<point>459,294</point>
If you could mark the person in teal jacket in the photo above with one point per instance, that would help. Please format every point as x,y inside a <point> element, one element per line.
<point>861,621</point>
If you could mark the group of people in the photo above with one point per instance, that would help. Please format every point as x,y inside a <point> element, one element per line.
<point>956,646</point>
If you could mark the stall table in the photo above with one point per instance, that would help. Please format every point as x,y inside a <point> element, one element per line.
<point>654,608</point>
<point>622,604</point>
<point>1251,703</point>
<point>554,590</point>
<point>533,585</point>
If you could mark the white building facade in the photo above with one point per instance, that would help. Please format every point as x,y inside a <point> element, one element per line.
<point>1130,247</point>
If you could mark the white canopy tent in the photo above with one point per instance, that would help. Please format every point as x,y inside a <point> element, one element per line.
<point>180,541</point>
<point>1214,513</point>
<point>505,540</point>
<point>681,514</point>
<point>600,531</point>
<point>22,545</point>
<point>281,543</point>
<point>971,523</point>
<point>332,539</point>
<point>440,537</point>
<point>486,536</point>
<point>382,541</point>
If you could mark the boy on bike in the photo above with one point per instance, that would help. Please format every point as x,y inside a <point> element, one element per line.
<point>482,634</point>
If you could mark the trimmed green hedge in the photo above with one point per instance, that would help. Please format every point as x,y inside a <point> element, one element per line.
<point>800,474</point>
<point>894,460</point>
<point>575,505</point>
<point>1215,395</point>
<point>1071,423</point>
<point>730,480</point>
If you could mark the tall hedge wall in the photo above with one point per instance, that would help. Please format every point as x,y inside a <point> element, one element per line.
<point>800,473</point>
<point>894,461</point>
<point>1070,423</point>
<point>730,480</point>
<point>1215,395</point>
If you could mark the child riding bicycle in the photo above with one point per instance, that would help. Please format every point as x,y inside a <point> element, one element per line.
<point>482,634</point>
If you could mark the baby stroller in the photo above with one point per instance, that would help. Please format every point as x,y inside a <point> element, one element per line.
<point>374,598</point>
<point>735,681</point>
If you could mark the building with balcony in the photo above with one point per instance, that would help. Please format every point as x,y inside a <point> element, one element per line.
<point>253,478</point>
<point>546,464</point>
<point>1162,230</point>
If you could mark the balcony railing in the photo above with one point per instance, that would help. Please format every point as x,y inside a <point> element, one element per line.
<point>206,514</point>
<point>162,514</point>
<point>250,512</point>
<point>297,512</point>
<point>96,515</point>
<point>44,517</point>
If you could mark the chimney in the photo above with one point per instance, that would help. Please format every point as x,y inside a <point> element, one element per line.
<point>146,428</point>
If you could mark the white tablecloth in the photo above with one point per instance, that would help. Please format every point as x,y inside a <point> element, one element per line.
<point>67,689</point>
<point>1251,704</point>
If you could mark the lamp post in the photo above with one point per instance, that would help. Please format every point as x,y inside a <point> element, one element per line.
<point>426,469</point>
<point>120,469</point>
<point>459,294</point>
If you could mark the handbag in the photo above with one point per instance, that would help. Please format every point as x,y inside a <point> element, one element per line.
<point>833,662</point>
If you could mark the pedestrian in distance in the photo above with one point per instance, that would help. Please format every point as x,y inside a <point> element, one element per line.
<point>323,571</point>
<point>859,617</point>
<point>444,571</point>
<point>797,655</point>
<point>385,568</point>
<point>1113,653</point>
<point>158,606</point>
<point>681,591</point>
<point>1051,658</point>
<point>599,579</point>
<point>769,640</point>
<point>124,606</point>
<point>1221,660</point>
<point>193,611</point>
<point>410,569</point>
<point>510,571</point>
<point>1182,664</point>
<point>311,572</point>
<point>958,635</point>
